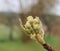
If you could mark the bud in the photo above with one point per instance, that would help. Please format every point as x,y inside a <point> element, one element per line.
<point>27,31</point>
<point>32,36</point>
<point>30,19</point>
<point>27,25</point>
<point>37,20</point>
<point>36,26</point>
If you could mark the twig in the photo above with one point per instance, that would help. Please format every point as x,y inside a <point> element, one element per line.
<point>45,45</point>
<point>48,47</point>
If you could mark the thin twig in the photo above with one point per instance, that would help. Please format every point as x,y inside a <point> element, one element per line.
<point>44,44</point>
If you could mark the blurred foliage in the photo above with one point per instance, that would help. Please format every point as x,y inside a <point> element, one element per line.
<point>18,45</point>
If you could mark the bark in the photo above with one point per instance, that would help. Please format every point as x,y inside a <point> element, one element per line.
<point>48,47</point>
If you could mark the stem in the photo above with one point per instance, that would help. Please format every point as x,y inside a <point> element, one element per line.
<point>42,42</point>
<point>48,47</point>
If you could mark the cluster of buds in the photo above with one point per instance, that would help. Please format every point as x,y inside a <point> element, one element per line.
<point>33,27</point>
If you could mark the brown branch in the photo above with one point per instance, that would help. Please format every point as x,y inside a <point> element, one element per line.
<point>48,47</point>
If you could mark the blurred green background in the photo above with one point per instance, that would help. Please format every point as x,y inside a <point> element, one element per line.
<point>18,45</point>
